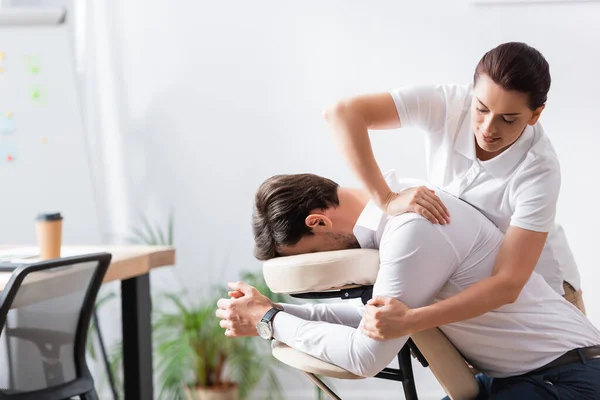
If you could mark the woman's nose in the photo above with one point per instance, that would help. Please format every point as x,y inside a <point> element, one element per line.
<point>487,124</point>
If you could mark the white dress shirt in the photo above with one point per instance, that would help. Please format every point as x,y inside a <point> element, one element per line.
<point>519,187</point>
<point>420,263</point>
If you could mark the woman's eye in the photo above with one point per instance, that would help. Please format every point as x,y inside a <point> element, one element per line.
<point>509,121</point>
<point>481,110</point>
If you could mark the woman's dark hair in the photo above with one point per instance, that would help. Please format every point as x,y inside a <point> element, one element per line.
<point>281,206</point>
<point>517,66</point>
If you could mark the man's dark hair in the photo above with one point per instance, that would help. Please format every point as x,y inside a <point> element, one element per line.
<point>517,66</point>
<point>281,206</point>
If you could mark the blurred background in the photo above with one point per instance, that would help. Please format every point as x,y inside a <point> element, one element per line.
<point>187,106</point>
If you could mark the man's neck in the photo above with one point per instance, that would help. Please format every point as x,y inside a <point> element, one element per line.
<point>353,201</point>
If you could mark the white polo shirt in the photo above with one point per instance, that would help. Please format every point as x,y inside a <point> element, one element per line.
<point>420,263</point>
<point>519,187</point>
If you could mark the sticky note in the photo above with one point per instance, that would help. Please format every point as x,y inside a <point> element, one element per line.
<point>38,95</point>
<point>1,56</point>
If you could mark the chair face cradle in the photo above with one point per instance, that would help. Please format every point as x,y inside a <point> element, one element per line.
<point>350,274</point>
<point>45,312</point>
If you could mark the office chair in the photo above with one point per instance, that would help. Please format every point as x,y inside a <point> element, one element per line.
<point>45,312</point>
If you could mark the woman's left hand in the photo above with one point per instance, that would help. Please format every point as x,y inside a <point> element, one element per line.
<point>386,318</point>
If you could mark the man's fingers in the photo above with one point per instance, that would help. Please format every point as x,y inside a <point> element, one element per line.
<point>223,314</point>
<point>224,303</point>
<point>240,286</point>
<point>225,323</point>
<point>236,294</point>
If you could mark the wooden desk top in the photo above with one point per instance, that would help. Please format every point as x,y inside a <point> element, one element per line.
<point>127,261</point>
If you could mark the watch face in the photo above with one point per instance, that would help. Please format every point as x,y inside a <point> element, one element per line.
<point>264,330</point>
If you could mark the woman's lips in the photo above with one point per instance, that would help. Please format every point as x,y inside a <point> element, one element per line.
<point>489,139</point>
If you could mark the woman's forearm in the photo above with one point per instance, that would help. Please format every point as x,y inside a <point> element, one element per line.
<point>514,265</point>
<point>352,135</point>
<point>476,300</point>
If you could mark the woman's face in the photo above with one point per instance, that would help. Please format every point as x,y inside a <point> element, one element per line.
<point>498,117</point>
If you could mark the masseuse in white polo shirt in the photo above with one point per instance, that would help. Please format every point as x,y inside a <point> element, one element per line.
<point>484,144</point>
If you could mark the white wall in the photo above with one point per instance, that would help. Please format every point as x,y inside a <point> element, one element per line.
<point>221,95</point>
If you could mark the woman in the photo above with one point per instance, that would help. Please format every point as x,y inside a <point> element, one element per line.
<point>484,145</point>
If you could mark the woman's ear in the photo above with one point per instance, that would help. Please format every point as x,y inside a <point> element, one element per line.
<point>318,222</point>
<point>536,115</point>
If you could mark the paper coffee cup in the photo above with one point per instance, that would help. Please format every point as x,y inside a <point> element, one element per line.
<point>49,234</point>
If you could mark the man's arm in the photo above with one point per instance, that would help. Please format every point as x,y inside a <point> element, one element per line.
<point>416,261</point>
<point>516,261</point>
<point>334,313</point>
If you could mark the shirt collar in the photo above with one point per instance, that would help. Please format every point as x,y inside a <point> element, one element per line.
<point>505,163</point>
<point>501,165</point>
<point>371,222</point>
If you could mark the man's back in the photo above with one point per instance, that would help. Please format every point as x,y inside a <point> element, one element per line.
<point>516,338</point>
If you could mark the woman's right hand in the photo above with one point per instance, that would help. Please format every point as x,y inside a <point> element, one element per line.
<point>420,200</point>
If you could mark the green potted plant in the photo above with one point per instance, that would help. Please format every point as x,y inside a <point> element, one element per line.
<point>196,361</point>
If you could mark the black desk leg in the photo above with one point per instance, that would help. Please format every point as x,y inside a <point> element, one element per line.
<point>137,338</point>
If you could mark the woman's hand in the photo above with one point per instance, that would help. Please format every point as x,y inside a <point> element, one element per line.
<point>421,200</point>
<point>386,318</point>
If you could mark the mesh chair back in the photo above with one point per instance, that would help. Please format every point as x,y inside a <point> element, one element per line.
<point>45,312</point>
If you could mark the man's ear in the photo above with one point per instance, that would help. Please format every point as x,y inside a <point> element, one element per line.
<point>536,115</point>
<point>318,222</point>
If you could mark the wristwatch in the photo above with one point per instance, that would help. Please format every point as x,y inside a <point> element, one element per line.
<point>265,325</point>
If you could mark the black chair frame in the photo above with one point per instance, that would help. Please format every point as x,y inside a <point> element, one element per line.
<point>83,385</point>
<point>402,374</point>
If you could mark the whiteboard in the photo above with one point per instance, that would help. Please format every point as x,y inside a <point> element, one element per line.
<point>44,160</point>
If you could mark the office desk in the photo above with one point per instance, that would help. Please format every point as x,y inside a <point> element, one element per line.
<point>131,265</point>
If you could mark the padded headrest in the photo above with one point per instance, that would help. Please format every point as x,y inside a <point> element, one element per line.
<point>318,272</point>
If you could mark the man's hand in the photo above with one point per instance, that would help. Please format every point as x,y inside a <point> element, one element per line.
<point>240,314</point>
<point>420,200</point>
<point>386,318</point>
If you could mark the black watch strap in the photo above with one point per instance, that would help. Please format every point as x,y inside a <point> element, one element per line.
<point>270,314</point>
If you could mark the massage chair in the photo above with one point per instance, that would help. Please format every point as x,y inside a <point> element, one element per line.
<point>350,274</point>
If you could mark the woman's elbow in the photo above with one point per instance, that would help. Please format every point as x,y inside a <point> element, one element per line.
<point>337,111</point>
<point>511,291</point>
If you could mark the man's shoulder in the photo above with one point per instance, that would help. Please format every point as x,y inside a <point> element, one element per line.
<point>409,224</point>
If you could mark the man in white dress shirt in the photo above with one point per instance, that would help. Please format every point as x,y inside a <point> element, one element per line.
<point>540,346</point>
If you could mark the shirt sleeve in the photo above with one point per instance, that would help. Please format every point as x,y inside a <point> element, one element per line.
<point>416,260</point>
<point>536,191</point>
<point>334,313</point>
<point>421,106</point>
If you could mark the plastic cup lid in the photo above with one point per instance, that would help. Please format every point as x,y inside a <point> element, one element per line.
<point>49,217</point>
